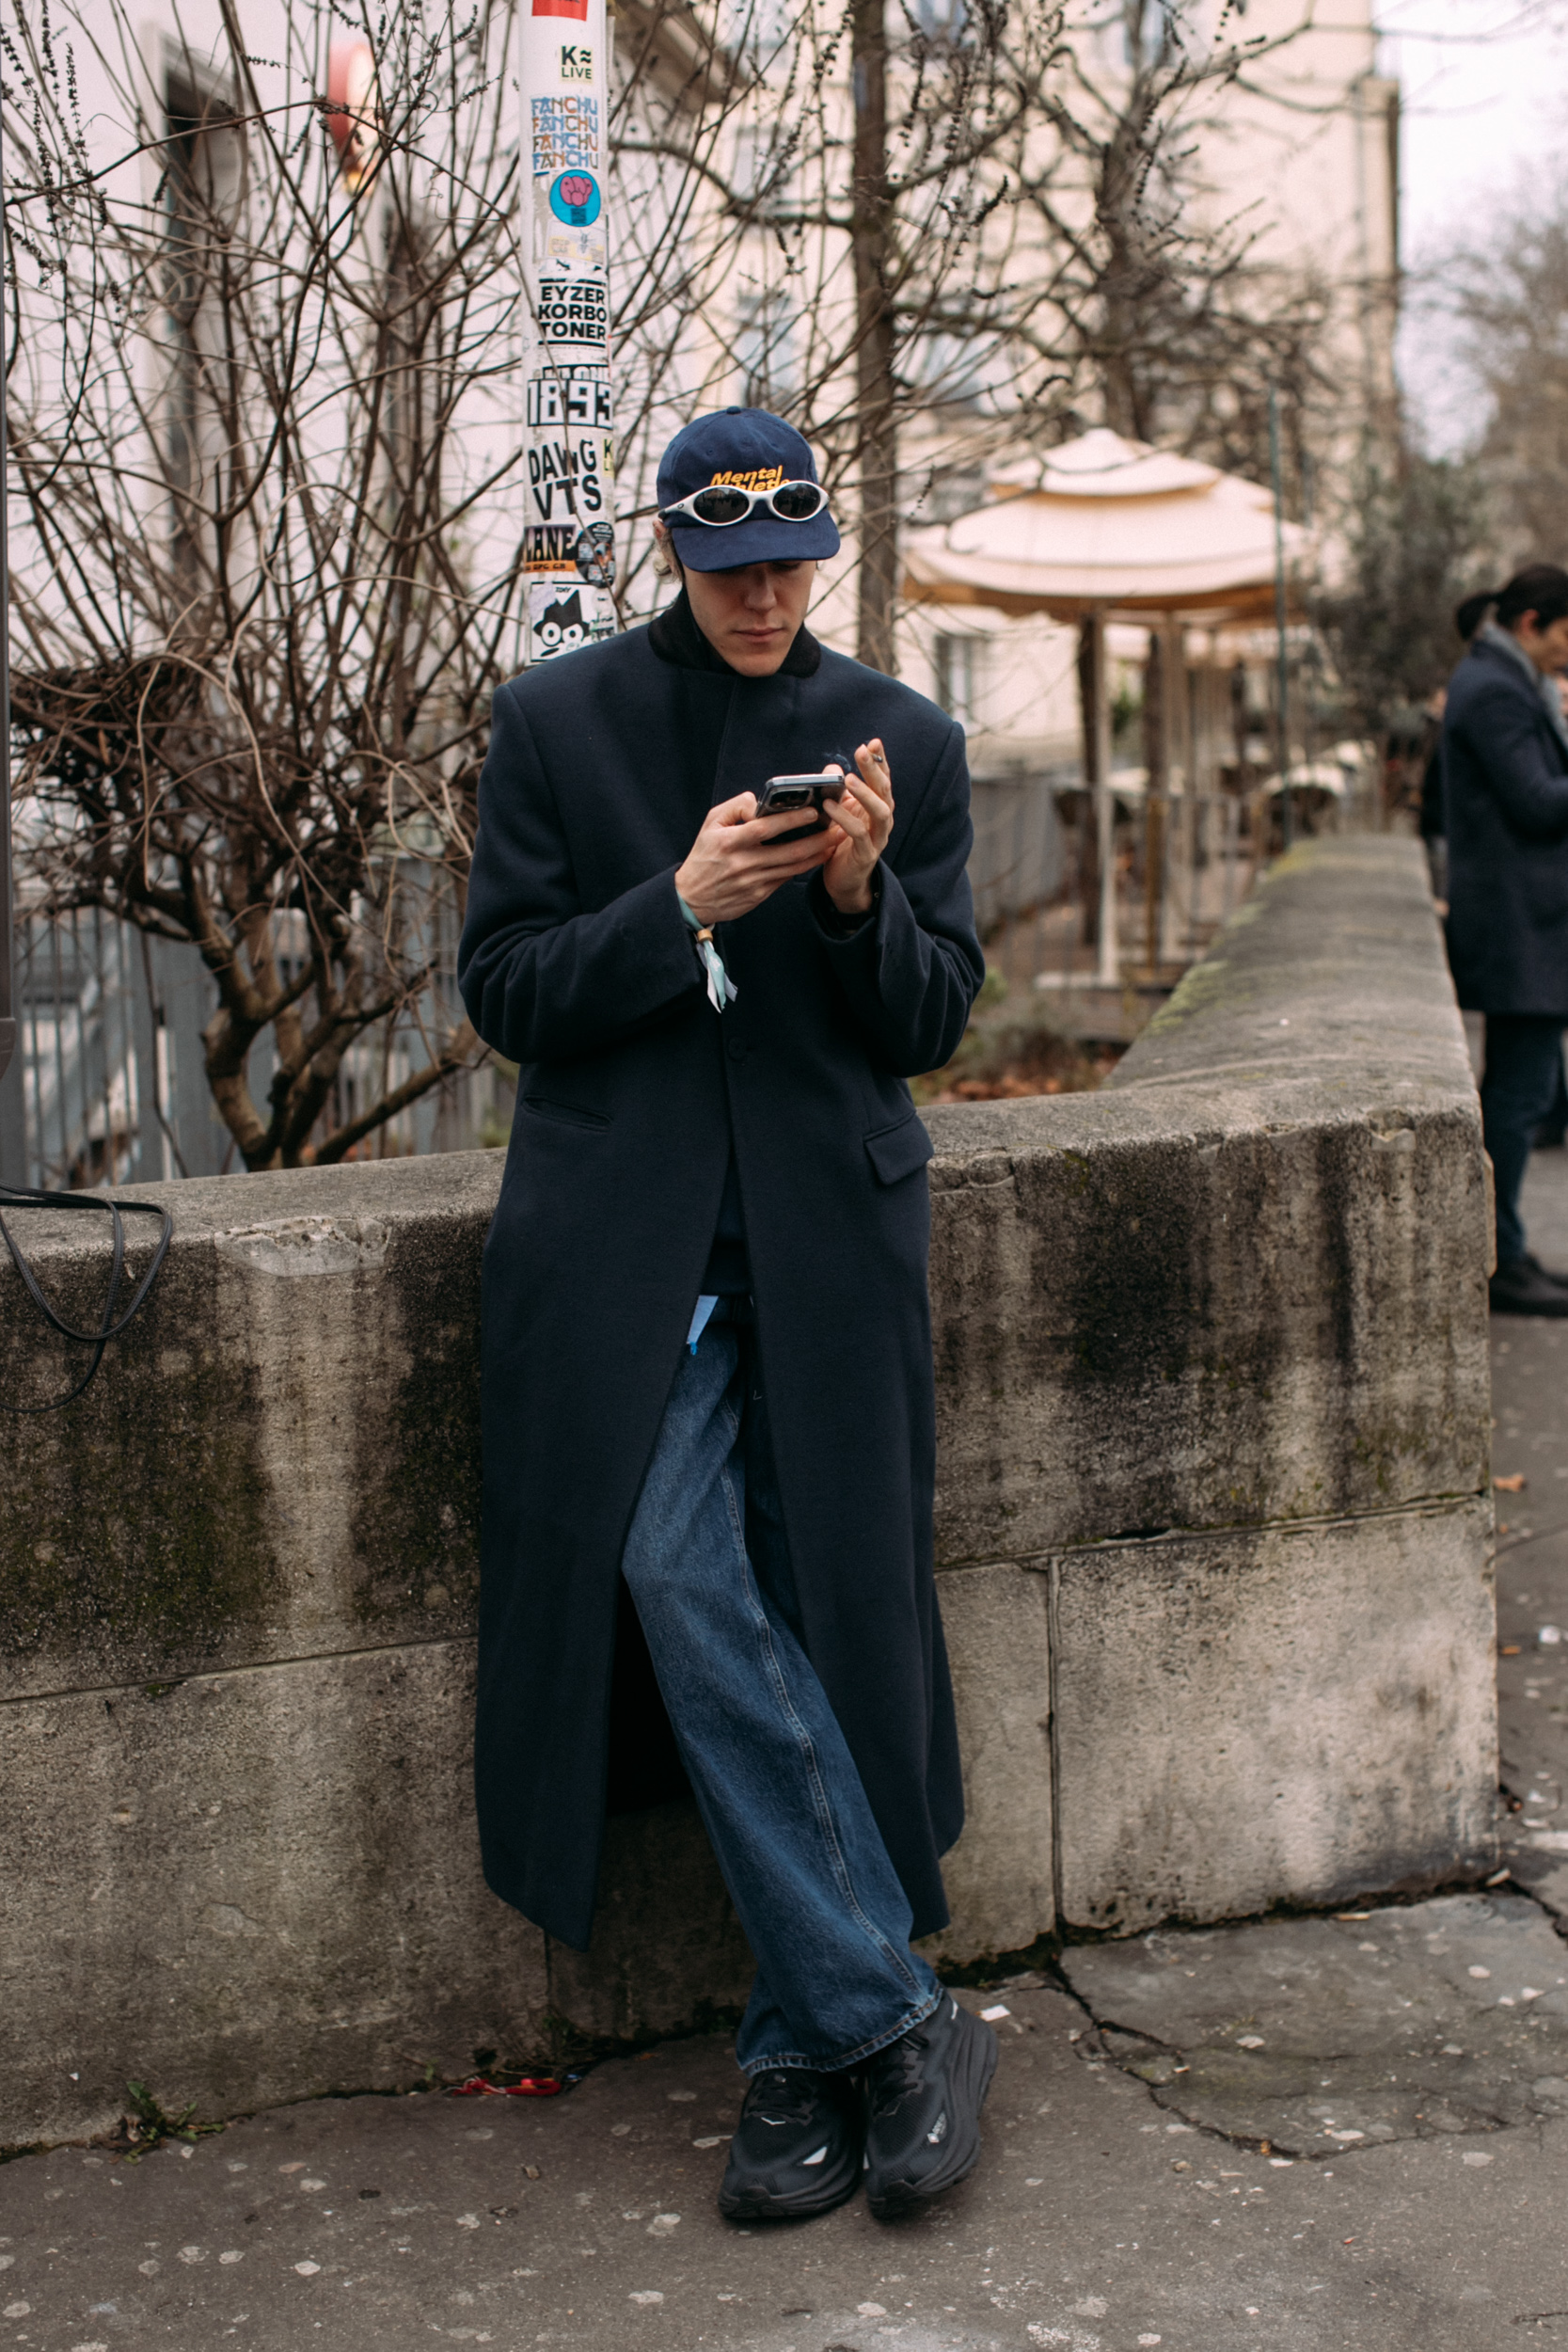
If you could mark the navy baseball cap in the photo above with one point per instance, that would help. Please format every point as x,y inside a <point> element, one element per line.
<point>747,448</point>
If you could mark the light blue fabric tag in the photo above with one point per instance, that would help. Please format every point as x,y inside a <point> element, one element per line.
<point>721,990</point>
<point>700,1319</point>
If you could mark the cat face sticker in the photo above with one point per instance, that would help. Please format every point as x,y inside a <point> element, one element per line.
<point>559,626</point>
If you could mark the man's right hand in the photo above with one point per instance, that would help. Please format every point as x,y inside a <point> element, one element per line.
<point>740,858</point>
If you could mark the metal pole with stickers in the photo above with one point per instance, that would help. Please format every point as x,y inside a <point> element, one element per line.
<point>569,538</point>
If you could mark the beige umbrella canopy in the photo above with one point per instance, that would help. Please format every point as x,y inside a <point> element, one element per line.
<point>1104,529</point>
<point>1109,527</point>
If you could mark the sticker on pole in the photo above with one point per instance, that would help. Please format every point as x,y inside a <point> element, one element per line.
<point>568,251</point>
<point>565,133</point>
<point>566,538</point>
<point>562,617</point>
<point>573,394</point>
<point>595,554</point>
<point>575,199</point>
<point>564,478</point>
<point>574,311</point>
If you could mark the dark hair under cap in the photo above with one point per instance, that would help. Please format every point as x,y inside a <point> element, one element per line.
<point>1539,588</point>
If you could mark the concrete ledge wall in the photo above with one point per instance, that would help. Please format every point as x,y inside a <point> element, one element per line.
<point>1213,1526</point>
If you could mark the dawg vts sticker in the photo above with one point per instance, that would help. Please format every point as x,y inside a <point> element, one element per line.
<point>563,478</point>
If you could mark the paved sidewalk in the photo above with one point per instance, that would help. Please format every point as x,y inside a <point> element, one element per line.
<point>1096,2223</point>
<point>1530,1402</point>
<point>1124,2200</point>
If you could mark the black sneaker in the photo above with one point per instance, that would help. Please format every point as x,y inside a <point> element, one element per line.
<point>924,2092</point>
<point>797,2148</point>
<point>1523,1287</point>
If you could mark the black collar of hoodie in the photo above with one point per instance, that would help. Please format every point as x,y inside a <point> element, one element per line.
<point>676,637</point>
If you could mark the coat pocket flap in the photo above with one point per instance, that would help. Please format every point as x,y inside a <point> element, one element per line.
<point>564,1114</point>
<point>896,1151</point>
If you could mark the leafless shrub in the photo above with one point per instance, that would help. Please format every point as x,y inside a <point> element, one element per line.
<point>258,420</point>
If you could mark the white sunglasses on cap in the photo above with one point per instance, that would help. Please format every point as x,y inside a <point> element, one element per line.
<point>722,503</point>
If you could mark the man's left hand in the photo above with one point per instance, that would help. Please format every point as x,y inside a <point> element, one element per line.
<point>864,820</point>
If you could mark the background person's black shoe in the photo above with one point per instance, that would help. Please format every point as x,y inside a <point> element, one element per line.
<point>797,2148</point>
<point>1524,1288</point>
<point>924,2096</point>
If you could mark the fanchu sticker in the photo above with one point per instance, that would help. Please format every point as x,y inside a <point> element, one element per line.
<point>565,133</point>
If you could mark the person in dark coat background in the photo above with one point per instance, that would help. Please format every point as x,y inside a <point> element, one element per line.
<point>708,1409</point>
<point>1432,816</point>
<point>1505,792</point>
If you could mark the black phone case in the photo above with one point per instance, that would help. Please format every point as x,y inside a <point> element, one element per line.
<point>822,820</point>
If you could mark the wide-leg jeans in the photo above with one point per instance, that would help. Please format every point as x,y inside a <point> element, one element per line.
<point>1524,1068</point>
<point>708,1569</point>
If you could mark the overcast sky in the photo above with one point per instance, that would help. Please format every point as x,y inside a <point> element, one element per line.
<point>1484,88</point>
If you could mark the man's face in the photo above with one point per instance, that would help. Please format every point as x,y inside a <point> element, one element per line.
<point>751,615</point>
<point>1546,647</point>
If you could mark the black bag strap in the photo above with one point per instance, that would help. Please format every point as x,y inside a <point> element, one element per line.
<point>20,1197</point>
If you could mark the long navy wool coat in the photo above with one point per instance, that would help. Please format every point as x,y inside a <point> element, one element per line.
<point>577,963</point>
<point>1505,793</point>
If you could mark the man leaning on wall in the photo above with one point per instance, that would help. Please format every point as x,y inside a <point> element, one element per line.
<point>1505,791</point>
<point>709,1421</point>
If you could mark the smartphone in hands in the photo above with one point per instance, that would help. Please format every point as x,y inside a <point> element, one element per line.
<point>781,795</point>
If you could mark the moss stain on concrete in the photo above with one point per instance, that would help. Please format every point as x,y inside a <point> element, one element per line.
<point>144,1530</point>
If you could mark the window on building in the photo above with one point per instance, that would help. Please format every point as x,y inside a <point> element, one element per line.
<point>940,492</point>
<point>955,372</point>
<point>958,661</point>
<point>755,27</point>
<point>764,348</point>
<point>763,173</point>
<point>942,19</point>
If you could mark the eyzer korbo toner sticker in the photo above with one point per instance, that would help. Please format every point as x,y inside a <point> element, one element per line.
<point>568,419</point>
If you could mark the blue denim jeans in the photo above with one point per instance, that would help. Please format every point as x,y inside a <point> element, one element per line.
<point>708,1569</point>
<point>1523,1065</point>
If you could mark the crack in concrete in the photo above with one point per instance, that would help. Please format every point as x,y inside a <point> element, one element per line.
<point>1038,1562</point>
<point>233,1674</point>
<point>1175,2036</point>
